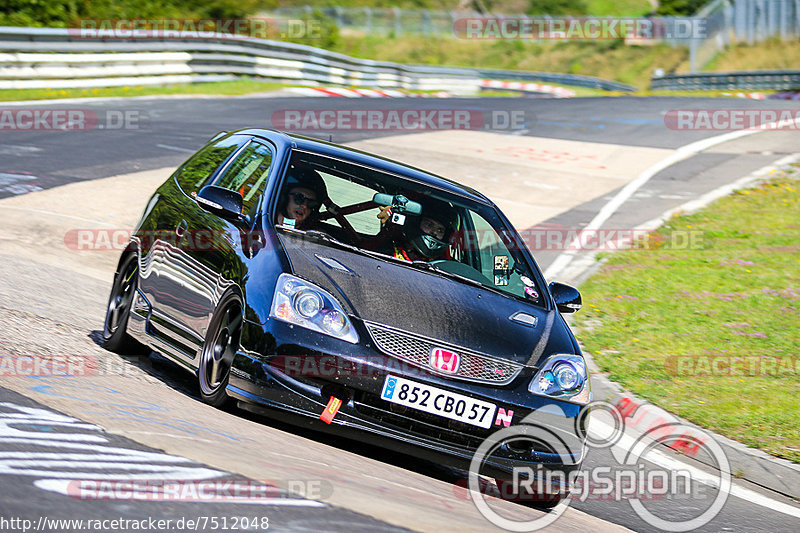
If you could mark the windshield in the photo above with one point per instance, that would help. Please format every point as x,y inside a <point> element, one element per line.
<point>381,213</point>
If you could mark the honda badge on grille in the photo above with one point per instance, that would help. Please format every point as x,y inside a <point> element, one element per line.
<point>445,360</point>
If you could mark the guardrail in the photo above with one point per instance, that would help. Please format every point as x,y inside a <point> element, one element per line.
<point>61,58</point>
<point>558,78</point>
<point>44,57</point>
<point>744,80</point>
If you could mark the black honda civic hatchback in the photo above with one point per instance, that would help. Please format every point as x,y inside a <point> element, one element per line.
<point>343,291</point>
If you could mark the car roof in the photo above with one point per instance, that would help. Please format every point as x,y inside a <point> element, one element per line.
<point>351,154</point>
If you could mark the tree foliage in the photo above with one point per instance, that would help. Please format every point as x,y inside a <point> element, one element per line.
<point>69,13</point>
<point>680,8</point>
<point>557,7</point>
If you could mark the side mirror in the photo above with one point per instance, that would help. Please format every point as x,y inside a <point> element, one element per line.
<point>222,202</point>
<point>568,299</point>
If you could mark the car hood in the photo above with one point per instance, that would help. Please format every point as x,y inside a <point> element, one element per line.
<point>426,303</point>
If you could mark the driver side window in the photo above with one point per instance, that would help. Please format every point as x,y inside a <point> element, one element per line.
<point>194,173</point>
<point>248,174</point>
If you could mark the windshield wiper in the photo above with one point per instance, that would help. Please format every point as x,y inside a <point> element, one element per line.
<point>328,238</point>
<point>422,265</point>
<point>325,237</point>
<point>459,277</point>
<point>425,265</point>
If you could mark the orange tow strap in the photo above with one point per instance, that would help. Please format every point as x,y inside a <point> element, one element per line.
<point>330,410</point>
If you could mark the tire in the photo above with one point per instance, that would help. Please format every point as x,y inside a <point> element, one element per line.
<point>219,349</point>
<point>115,336</point>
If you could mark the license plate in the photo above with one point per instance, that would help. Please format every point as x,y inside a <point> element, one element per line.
<point>438,401</point>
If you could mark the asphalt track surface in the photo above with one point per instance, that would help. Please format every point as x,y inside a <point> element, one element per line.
<point>166,132</point>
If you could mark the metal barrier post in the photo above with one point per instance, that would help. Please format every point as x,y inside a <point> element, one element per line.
<point>398,30</point>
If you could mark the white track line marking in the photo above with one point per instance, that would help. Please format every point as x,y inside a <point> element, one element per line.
<point>580,264</point>
<point>51,213</point>
<point>176,148</point>
<point>684,152</point>
<point>723,190</point>
<point>541,185</point>
<point>626,442</point>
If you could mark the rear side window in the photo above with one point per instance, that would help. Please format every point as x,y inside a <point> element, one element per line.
<point>194,173</point>
<point>248,173</point>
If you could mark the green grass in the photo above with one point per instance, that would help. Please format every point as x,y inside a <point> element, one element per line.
<point>598,8</point>
<point>659,317</point>
<point>611,60</point>
<point>770,54</point>
<point>236,87</point>
<point>618,8</point>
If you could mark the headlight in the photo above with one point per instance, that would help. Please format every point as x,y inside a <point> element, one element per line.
<point>564,377</point>
<point>334,322</point>
<point>301,303</point>
<point>307,303</point>
<point>567,377</point>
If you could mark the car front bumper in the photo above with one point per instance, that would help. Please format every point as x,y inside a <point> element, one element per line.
<point>290,373</point>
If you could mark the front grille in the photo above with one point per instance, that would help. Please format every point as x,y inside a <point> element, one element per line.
<point>416,350</point>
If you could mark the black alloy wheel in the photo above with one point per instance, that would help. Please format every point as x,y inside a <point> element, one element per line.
<point>219,349</point>
<point>115,336</point>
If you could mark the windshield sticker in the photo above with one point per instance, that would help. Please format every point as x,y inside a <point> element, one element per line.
<point>501,270</point>
<point>289,222</point>
<point>399,219</point>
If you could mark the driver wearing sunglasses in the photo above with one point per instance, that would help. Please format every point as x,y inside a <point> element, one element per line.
<point>306,192</point>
